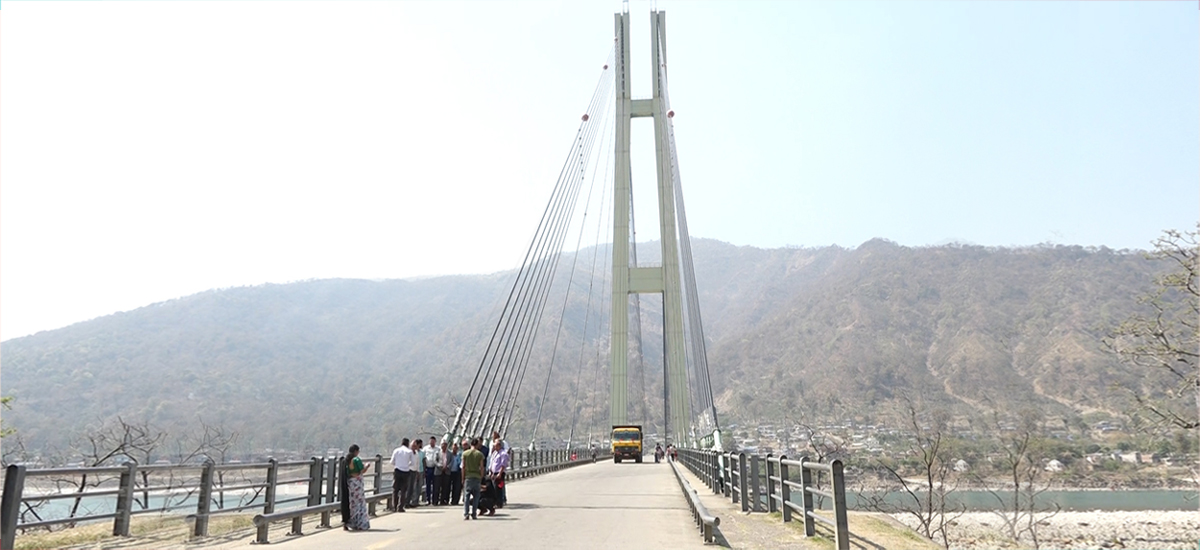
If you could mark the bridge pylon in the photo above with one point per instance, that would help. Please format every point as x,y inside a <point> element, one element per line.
<point>632,279</point>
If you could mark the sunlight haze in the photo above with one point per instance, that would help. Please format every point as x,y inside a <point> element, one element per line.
<point>153,150</point>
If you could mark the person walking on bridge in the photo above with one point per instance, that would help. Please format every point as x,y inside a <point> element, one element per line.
<point>472,476</point>
<point>401,466</point>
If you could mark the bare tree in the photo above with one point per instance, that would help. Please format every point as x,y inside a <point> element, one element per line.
<point>1018,450</point>
<point>1162,337</point>
<point>924,498</point>
<point>209,443</point>
<point>444,417</point>
<point>105,445</point>
<point>215,444</point>
<point>823,445</point>
<point>16,452</point>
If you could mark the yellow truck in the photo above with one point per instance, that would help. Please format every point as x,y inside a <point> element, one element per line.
<point>627,443</point>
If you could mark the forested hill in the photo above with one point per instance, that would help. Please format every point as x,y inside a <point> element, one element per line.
<point>810,332</point>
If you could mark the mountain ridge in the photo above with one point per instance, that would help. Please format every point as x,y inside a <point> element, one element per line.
<point>790,332</point>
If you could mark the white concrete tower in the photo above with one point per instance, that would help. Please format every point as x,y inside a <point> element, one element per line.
<point>665,279</point>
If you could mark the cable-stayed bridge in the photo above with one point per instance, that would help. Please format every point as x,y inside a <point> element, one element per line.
<point>565,498</point>
<point>595,188</point>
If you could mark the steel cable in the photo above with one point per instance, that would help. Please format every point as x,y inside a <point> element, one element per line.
<point>471,400</point>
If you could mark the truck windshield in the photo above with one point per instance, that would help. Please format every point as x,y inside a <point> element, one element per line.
<point>626,436</point>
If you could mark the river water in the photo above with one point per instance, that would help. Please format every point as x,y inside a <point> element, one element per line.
<point>1079,500</point>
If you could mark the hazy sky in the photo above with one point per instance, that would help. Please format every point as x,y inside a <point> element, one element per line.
<point>150,150</point>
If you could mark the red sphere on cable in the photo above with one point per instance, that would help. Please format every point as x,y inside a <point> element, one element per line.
<point>670,114</point>
<point>585,117</point>
<point>606,67</point>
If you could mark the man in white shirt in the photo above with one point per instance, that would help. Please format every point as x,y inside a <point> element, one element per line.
<point>414,476</point>
<point>432,452</point>
<point>401,469</point>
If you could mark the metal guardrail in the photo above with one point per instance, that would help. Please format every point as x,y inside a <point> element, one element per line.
<point>207,484</point>
<point>262,522</point>
<point>705,520</point>
<point>738,477</point>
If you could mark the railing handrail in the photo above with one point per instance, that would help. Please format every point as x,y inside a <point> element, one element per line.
<point>706,521</point>
<point>738,476</point>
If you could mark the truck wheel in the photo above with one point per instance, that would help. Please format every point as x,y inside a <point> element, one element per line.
<point>639,459</point>
<point>617,459</point>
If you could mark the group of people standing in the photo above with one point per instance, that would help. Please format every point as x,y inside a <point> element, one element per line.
<point>436,475</point>
<point>434,468</point>
<point>430,475</point>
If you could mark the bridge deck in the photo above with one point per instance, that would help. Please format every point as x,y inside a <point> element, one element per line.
<point>605,505</point>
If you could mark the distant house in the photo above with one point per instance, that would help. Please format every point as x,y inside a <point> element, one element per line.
<point>1054,465</point>
<point>1131,457</point>
<point>961,466</point>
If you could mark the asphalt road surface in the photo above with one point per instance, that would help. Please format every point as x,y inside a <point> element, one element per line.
<point>605,505</point>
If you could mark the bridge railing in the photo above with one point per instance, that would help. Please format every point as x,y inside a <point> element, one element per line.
<point>705,520</point>
<point>788,486</point>
<point>118,493</point>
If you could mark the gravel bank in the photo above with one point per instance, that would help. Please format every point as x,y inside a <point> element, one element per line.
<point>1157,530</point>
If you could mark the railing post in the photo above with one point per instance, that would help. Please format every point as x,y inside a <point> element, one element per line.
<point>755,485</point>
<point>706,466</point>
<point>10,505</point>
<point>842,534</point>
<point>806,498</point>
<point>314,493</point>
<point>204,504</point>
<point>726,475</point>
<point>378,474</point>
<point>272,485</point>
<point>771,472</point>
<point>742,485</point>
<point>730,467</point>
<point>785,490</point>
<point>125,501</point>
<point>331,483</point>
<point>710,462</point>
<point>378,484</point>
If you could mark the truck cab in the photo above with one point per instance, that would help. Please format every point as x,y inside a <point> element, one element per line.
<point>627,443</point>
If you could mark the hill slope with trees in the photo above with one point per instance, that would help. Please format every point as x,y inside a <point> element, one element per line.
<point>815,333</point>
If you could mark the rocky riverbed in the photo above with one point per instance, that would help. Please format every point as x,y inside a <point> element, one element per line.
<point>1157,530</point>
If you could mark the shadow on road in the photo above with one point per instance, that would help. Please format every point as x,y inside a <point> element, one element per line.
<point>521,506</point>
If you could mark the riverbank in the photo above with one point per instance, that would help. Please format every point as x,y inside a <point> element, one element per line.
<point>1159,530</point>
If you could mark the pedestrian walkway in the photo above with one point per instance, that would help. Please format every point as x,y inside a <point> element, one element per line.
<point>604,505</point>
